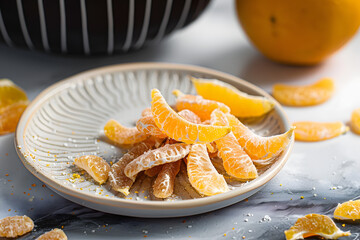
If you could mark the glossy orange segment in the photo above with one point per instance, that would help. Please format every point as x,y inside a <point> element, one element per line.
<point>164,184</point>
<point>180,129</point>
<point>95,166</point>
<point>121,134</point>
<point>240,103</point>
<point>197,104</point>
<point>55,234</point>
<point>13,102</point>
<point>314,224</point>
<point>16,226</point>
<point>259,147</point>
<point>355,121</point>
<point>236,161</point>
<point>349,210</point>
<point>202,174</point>
<point>148,126</point>
<point>166,154</point>
<point>300,96</point>
<point>318,131</point>
<point>118,180</point>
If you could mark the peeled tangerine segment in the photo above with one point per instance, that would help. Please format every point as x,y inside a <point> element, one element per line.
<point>236,161</point>
<point>314,225</point>
<point>197,104</point>
<point>55,234</point>
<point>95,166</point>
<point>11,227</point>
<point>148,126</point>
<point>202,174</point>
<point>308,95</point>
<point>258,147</point>
<point>349,210</point>
<point>166,154</point>
<point>180,129</point>
<point>10,94</point>
<point>190,116</point>
<point>123,135</point>
<point>318,131</point>
<point>10,116</point>
<point>118,180</point>
<point>164,183</point>
<point>355,121</point>
<point>240,103</point>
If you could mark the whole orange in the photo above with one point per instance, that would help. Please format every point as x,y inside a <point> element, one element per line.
<point>300,32</point>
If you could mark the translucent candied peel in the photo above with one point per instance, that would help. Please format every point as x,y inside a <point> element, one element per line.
<point>118,180</point>
<point>164,184</point>
<point>55,234</point>
<point>11,227</point>
<point>95,166</point>
<point>166,154</point>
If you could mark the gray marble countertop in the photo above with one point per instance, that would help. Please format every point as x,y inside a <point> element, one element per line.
<point>324,173</point>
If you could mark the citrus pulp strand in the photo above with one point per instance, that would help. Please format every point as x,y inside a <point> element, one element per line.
<point>55,234</point>
<point>180,129</point>
<point>240,103</point>
<point>166,154</point>
<point>349,210</point>
<point>197,104</point>
<point>148,126</point>
<point>236,161</point>
<point>11,227</point>
<point>258,147</point>
<point>10,116</point>
<point>314,224</point>
<point>123,135</point>
<point>95,166</point>
<point>164,183</point>
<point>118,180</point>
<point>308,95</point>
<point>202,174</point>
<point>355,121</point>
<point>318,131</point>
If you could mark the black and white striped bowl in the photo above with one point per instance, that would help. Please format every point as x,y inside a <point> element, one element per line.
<point>93,26</point>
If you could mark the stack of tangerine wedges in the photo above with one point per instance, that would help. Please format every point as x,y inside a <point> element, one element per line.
<point>204,127</point>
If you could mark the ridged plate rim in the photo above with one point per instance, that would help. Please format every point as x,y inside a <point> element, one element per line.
<point>119,202</point>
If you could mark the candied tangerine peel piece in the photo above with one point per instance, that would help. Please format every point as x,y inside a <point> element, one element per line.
<point>16,226</point>
<point>240,103</point>
<point>318,131</point>
<point>95,166</point>
<point>123,135</point>
<point>309,95</point>
<point>259,147</point>
<point>166,154</point>
<point>314,225</point>
<point>55,234</point>
<point>236,161</point>
<point>180,129</point>
<point>202,174</point>
<point>163,186</point>
<point>349,210</point>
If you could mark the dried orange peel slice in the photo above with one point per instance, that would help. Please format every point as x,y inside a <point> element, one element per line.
<point>258,147</point>
<point>13,102</point>
<point>236,161</point>
<point>95,166</point>
<point>176,127</point>
<point>240,103</point>
<point>121,134</point>
<point>202,174</point>
<point>355,121</point>
<point>314,225</point>
<point>309,95</point>
<point>349,210</point>
<point>318,131</point>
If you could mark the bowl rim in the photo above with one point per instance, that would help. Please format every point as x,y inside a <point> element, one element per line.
<point>159,205</point>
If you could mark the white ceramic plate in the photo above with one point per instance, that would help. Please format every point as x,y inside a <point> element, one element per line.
<point>67,119</point>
